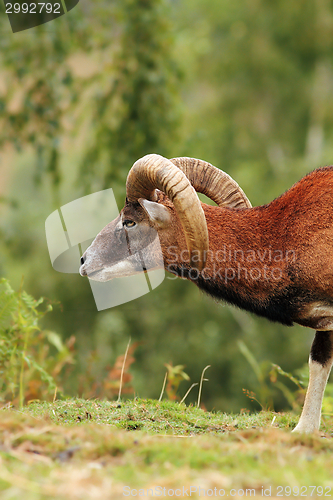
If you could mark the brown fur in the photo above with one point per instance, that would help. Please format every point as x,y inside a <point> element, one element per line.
<point>281,253</point>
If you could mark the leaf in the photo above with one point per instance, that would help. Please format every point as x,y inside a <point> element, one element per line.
<point>46,377</point>
<point>55,339</point>
<point>30,301</point>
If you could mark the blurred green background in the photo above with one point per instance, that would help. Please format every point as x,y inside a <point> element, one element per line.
<point>244,84</point>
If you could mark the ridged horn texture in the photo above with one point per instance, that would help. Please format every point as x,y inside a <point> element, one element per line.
<point>155,172</point>
<point>214,183</point>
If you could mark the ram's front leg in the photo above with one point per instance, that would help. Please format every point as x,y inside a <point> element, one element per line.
<point>320,364</point>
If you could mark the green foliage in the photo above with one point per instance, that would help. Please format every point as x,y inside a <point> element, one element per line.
<point>28,371</point>
<point>134,111</point>
<point>31,91</point>
<point>122,105</point>
<point>267,374</point>
<point>265,74</point>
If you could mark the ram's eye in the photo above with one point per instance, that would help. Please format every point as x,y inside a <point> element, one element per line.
<point>129,223</point>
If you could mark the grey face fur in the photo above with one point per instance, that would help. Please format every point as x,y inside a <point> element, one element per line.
<point>128,245</point>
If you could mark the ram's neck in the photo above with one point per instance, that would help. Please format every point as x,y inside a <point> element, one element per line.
<point>247,262</point>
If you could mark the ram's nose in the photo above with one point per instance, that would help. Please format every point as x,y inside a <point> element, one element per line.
<point>82,270</point>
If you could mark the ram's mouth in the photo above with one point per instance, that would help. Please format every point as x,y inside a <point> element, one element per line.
<point>94,273</point>
<point>120,269</point>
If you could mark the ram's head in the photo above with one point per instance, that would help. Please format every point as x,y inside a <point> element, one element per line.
<point>162,211</point>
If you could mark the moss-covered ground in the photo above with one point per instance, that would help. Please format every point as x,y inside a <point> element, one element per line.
<point>77,449</point>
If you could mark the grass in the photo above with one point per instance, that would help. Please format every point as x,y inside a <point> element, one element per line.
<point>77,449</point>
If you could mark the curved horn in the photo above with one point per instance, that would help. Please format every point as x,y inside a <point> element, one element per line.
<point>214,183</point>
<point>155,172</point>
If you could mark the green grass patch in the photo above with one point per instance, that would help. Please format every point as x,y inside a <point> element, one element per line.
<point>94,449</point>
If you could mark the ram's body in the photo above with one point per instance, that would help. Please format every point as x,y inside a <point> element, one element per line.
<point>274,260</point>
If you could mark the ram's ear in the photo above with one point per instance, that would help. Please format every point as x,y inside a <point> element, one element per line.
<point>156,212</point>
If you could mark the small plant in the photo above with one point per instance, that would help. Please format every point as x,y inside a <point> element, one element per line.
<point>267,373</point>
<point>27,369</point>
<point>175,375</point>
<point>294,398</point>
<point>202,379</point>
<point>261,371</point>
<point>252,396</point>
